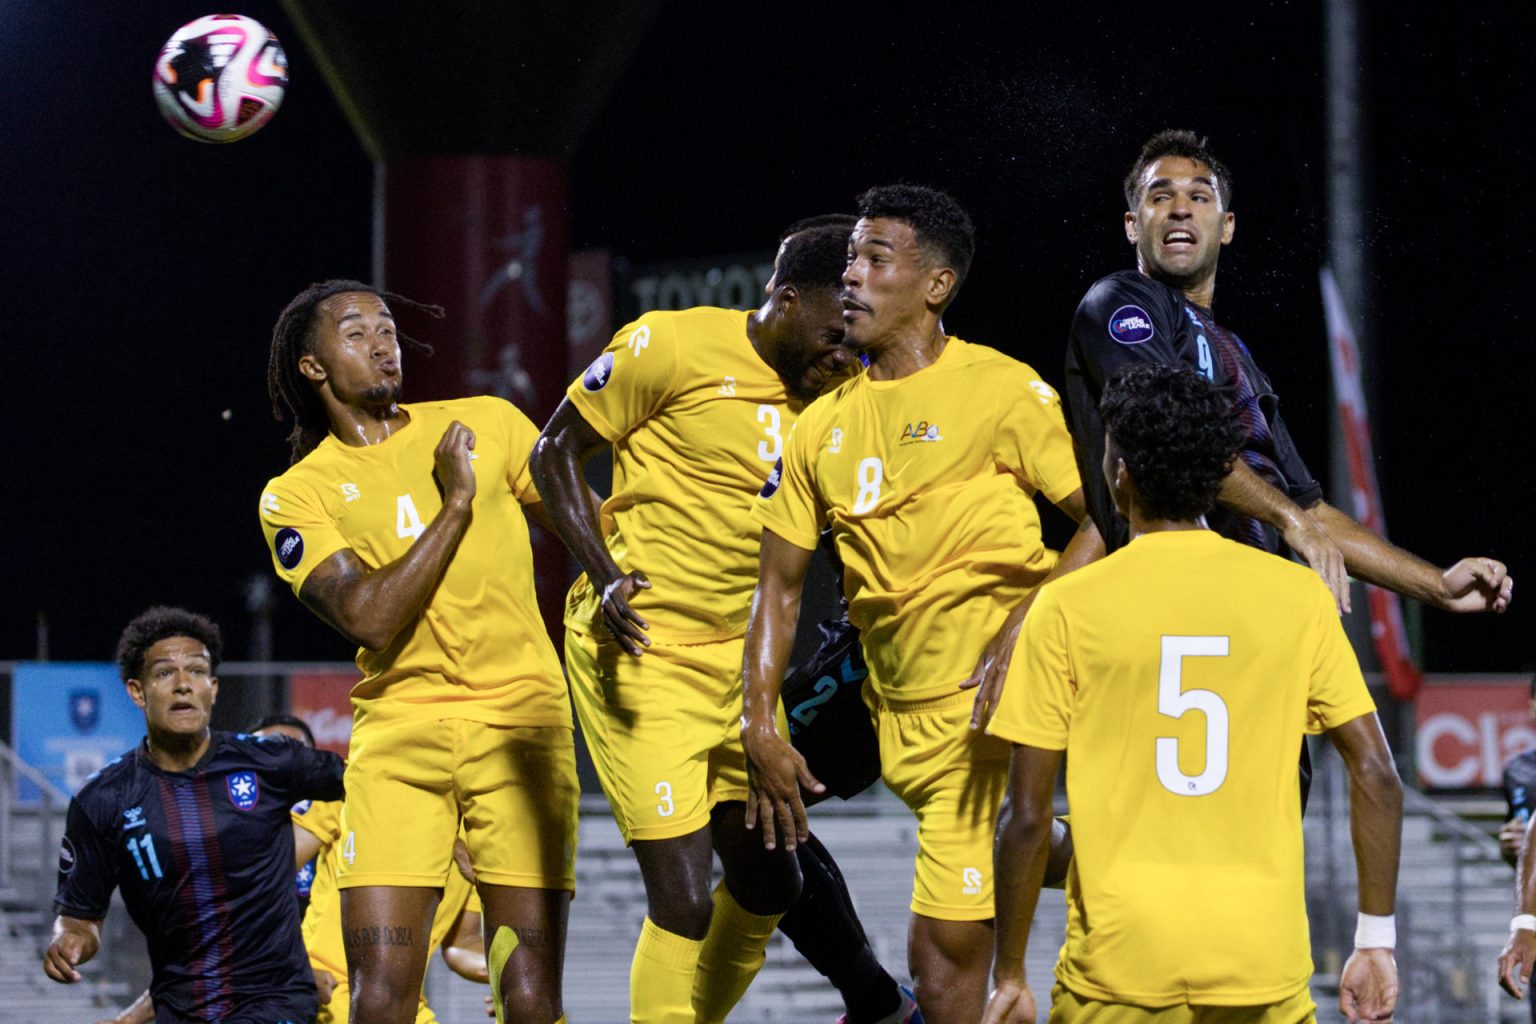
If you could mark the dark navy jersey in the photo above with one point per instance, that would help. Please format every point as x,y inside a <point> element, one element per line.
<point>1520,785</point>
<point>204,859</point>
<point>1126,318</point>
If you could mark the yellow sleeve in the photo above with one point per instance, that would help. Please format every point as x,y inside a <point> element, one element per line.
<point>300,532</point>
<point>788,503</point>
<point>521,434</point>
<point>1032,441</point>
<point>633,377</point>
<point>1038,695</point>
<point>320,818</point>
<point>1337,692</point>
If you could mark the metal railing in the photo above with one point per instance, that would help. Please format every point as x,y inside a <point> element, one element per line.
<point>1454,892</point>
<point>51,805</point>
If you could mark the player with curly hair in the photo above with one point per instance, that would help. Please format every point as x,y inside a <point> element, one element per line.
<point>1177,676</point>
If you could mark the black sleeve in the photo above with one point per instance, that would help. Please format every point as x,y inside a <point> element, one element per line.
<point>87,868</point>
<point>1301,487</point>
<point>303,772</point>
<point>1123,320</point>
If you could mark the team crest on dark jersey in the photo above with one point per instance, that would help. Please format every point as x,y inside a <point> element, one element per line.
<point>772,483</point>
<point>1130,325</point>
<point>289,545</point>
<point>599,373</point>
<point>243,788</point>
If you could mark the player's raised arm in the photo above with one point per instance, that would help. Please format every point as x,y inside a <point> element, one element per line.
<point>1471,585</point>
<point>775,769</point>
<point>559,454</point>
<point>1245,491</point>
<point>1368,983</point>
<point>371,606</point>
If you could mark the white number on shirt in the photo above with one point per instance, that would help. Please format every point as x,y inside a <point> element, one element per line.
<point>871,476</point>
<point>664,807</point>
<point>407,522</point>
<point>1175,701</point>
<point>349,848</point>
<point>768,416</point>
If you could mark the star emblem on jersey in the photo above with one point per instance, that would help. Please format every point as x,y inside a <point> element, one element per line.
<point>243,789</point>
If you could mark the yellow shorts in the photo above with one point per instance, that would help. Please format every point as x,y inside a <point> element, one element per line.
<point>664,729</point>
<point>1070,1008</point>
<point>410,783</point>
<point>953,779</point>
<point>338,1010</point>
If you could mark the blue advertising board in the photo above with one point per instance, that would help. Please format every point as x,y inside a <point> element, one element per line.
<point>68,719</point>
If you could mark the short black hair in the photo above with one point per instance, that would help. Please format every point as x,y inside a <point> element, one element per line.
<point>158,623</point>
<point>291,721</point>
<point>845,221</point>
<point>943,229</point>
<point>293,397</point>
<point>1177,434</point>
<point>813,257</point>
<point>1177,142</point>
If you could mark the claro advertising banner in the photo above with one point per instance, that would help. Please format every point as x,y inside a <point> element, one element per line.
<point>1469,726</point>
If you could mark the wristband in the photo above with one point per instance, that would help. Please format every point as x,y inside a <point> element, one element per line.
<point>1376,932</point>
<point>1522,922</point>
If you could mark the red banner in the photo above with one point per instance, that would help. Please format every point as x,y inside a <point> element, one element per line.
<point>323,700</point>
<point>1468,727</point>
<point>1387,632</point>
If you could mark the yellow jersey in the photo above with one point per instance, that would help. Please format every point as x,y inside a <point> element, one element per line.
<point>479,650</point>
<point>928,485</point>
<point>1179,675</point>
<point>322,921</point>
<point>697,421</point>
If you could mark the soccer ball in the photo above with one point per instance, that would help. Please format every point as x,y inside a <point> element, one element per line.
<point>220,78</point>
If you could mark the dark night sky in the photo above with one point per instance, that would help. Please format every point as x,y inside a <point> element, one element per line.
<point>142,272</point>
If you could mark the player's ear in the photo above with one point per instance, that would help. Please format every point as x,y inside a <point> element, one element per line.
<point>213,690</point>
<point>941,287</point>
<point>1228,226</point>
<point>135,691</point>
<point>310,367</point>
<point>1131,232</point>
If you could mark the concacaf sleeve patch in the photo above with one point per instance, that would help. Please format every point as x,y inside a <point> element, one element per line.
<point>599,373</point>
<point>289,545</point>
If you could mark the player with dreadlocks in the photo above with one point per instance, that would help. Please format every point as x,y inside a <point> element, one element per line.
<point>402,526</point>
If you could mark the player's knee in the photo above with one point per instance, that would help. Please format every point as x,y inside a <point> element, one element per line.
<point>383,1000</point>
<point>769,887</point>
<point>526,1000</point>
<point>685,912</point>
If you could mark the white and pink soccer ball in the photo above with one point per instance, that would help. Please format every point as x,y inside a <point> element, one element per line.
<point>220,78</point>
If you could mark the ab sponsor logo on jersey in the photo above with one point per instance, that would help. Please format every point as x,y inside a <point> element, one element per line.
<point>289,546</point>
<point>920,431</point>
<point>1130,325</point>
<point>599,373</point>
<point>243,789</point>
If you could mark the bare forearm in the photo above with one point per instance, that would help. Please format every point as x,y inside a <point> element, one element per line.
<point>141,1011</point>
<point>1525,875</point>
<point>1376,826</point>
<point>371,607</point>
<point>1372,558</point>
<point>1246,492</point>
<point>1023,844</point>
<point>568,503</point>
<point>770,639</point>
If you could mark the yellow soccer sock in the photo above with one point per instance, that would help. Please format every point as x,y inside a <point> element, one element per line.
<point>661,977</point>
<point>733,953</point>
<point>502,945</point>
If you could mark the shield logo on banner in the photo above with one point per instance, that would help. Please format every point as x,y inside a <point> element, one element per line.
<point>243,789</point>
<point>84,709</point>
